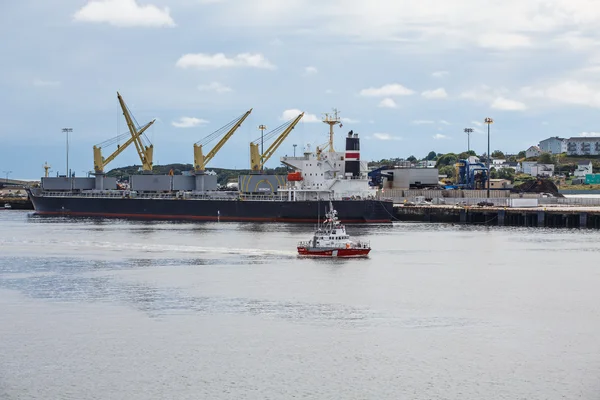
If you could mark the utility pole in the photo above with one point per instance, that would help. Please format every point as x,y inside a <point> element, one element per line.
<point>7,173</point>
<point>468,131</point>
<point>488,121</point>
<point>262,131</point>
<point>295,149</point>
<point>67,130</point>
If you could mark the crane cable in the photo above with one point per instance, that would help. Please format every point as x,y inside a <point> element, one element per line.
<point>204,141</point>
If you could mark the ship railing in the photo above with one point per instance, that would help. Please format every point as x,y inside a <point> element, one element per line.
<point>362,245</point>
<point>304,243</point>
<point>163,195</point>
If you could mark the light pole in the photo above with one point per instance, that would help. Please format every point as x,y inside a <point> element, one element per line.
<point>488,121</point>
<point>262,131</point>
<point>67,130</point>
<point>7,173</point>
<point>468,131</point>
<point>295,149</point>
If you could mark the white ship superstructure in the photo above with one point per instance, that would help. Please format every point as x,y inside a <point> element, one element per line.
<point>329,174</point>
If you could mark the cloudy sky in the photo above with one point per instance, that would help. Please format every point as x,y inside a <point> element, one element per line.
<point>408,76</point>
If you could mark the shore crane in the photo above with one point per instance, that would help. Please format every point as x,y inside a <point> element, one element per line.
<point>200,160</point>
<point>257,161</point>
<point>136,133</point>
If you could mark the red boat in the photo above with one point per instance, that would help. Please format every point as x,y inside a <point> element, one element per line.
<point>331,240</point>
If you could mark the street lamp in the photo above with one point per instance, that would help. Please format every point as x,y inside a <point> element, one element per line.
<point>468,131</point>
<point>6,173</point>
<point>262,131</point>
<point>488,121</point>
<point>67,130</point>
<point>295,149</point>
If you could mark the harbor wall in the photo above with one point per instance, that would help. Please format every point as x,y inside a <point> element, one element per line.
<point>541,217</point>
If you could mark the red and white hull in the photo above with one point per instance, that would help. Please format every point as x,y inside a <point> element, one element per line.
<point>342,252</point>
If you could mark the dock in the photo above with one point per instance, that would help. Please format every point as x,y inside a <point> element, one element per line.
<point>542,216</point>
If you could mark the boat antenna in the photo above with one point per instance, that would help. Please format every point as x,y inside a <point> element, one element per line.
<point>332,120</point>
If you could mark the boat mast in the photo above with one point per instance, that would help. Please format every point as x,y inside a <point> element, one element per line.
<point>332,120</point>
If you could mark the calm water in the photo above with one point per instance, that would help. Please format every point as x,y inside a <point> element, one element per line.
<point>131,310</point>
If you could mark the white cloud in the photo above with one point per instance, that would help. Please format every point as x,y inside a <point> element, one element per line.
<point>477,123</point>
<point>505,41</point>
<point>42,83</point>
<point>439,74</point>
<point>124,13</point>
<point>388,103</point>
<point>444,122</point>
<point>392,89</point>
<point>422,122</point>
<point>435,94</point>
<point>496,98</point>
<point>220,60</point>
<point>589,134</point>
<point>310,70</point>
<point>502,103</point>
<point>294,112</point>
<point>439,136</point>
<point>215,87</point>
<point>567,92</point>
<point>188,122</point>
<point>385,136</point>
<point>349,120</point>
<point>438,23</point>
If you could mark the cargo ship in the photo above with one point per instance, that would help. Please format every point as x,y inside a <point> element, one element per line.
<point>303,195</point>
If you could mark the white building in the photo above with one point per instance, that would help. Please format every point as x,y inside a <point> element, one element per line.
<point>426,164</point>
<point>527,166</point>
<point>583,146</point>
<point>515,166</point>
<point>553,145</point>
<point>497,162</point>
<point>533,151</point>
<point>583,168</point>
<point>546,170</point>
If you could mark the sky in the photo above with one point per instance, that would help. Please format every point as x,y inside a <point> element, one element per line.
<point>407,76</point>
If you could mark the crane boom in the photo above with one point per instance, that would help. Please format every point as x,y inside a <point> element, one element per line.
<point>200,160</point>
<point>101,162</point>
<point>258,161</point>
<point>144,152</point>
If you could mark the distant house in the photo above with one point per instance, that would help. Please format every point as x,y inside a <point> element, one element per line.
<point>526,166</point>
<point>533,151</point>
<point>583,168</point>
<point>426,164</point>
<point>510,165</point>
<point>542,170</point>
<point>497,161</point>
<point>553,145</point>
<point>583,146</point>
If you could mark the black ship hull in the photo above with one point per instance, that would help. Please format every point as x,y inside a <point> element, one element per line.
<point>349,211</point>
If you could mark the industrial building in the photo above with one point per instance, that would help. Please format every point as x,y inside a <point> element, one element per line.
<point>406,178</point>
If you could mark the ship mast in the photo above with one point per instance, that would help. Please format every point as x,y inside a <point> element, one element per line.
<point>332,120</point>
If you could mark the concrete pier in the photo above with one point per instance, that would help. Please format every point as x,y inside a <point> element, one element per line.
<point>554,217</point>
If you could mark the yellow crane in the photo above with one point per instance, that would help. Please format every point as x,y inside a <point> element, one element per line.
<point>200,160</point>
<point>145,152</point>
<point>257,161</point>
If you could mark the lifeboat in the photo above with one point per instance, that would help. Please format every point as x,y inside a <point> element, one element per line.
<point>294,177</point>
<point>331,240</point>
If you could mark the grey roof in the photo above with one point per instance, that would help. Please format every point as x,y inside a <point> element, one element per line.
<point>584,162</point>
<point>584,139</point>
<point>553,137</point>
